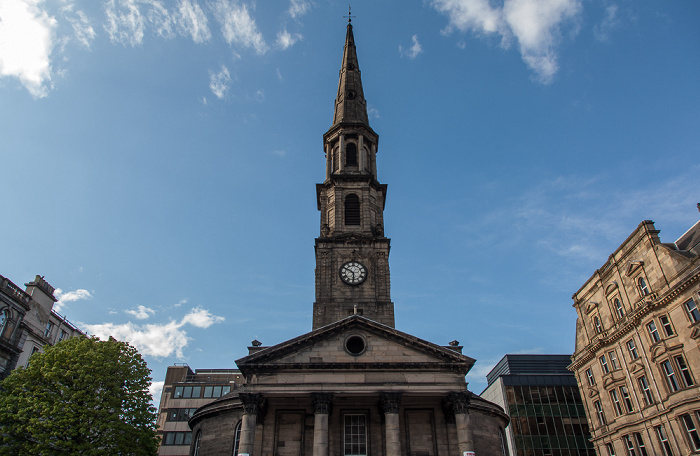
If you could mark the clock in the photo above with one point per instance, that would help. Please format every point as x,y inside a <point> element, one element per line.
<point>353,273</point>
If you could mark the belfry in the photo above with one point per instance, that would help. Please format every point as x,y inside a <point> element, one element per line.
<point>354,385</point>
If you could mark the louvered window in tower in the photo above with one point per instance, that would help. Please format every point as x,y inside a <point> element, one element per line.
<point>352,209</point>
<point>351,155</point>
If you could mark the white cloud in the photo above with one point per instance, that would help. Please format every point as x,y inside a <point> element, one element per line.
<point>286,40</point>
<point>610,21</point>
<point>298,8</point>
<point>193,21</point>
<point>536,24</point>
<point>237,26</point>
<point>141,312</point>
<point>201,318</point>
<point>280,152</point>
<point>124,22</point>
<point>157,340</point>
<point>82,28</point>
<point>71,296</point>
<point>155,389</point>
<point>163,21</point>
<point>220,82</point>
<point>184,300</point>
<point>413,51</point>
<point>26,42</point>
<point>372,112</point>
<point>279,74</point>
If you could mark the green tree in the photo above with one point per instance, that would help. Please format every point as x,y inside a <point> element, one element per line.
<point>82,396</point>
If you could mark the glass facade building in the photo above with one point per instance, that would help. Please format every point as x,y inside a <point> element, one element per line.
<point>547,416</point>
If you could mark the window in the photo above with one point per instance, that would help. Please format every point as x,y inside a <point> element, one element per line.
<point>180,414</point>
<point>186,392</point>
<point>630,446</point>
<point>643,287</point>
<point>63,336</point>
<point>590,377</point>
<point>355,435</point>
<point>670,376</point>
<point>599,412</point>
<point>691,431</point>
<point>216,391</point>
<point>632,348</point>
<point>666,325</point>
<point>685,372</point>
<point>640,444</point>
<point>610,448</point>
<point>604,364</point>
<point>47,331</point>
<point>504,446</point>
<point>653,333</point>
<point>626,398</point>
<point>644,386</point>
<point>237,438</point>
<point>4,316</point>
<point>619,310</point>
<point>613,360</point>
<point>352,209</point>
<point>616,402</point>
<point>351,154</point>
<point>197,444</point>
<point>663,440</point>
<point>692,309</point>
<point>596,324</point>
<point>177,438</point>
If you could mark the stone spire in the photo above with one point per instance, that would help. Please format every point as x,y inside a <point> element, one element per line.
<point>350,104</point>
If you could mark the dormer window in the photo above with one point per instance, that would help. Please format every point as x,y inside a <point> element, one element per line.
<point>352,209</point>
<point>351,154</point>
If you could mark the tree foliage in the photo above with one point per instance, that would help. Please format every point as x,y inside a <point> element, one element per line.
<point>82,396</point>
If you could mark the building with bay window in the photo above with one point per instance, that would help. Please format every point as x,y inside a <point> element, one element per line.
<point>637,358</point>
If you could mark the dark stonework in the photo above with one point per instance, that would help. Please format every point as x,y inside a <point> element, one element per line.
<point>254,404</point>
<point>459,402</point>
<point>322,402</point>
<point>390,402</point>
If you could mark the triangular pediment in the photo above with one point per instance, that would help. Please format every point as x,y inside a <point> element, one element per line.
<point>633,267</point>
<point>355,343</point>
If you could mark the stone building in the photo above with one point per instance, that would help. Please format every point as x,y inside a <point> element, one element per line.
<point>637,356</point>
<point>184,391</point>
<point>539,393</point>
<point>28,322</point>
<point>354,385</point>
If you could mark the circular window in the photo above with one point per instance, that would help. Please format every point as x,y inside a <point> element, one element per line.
<point>355,345</point>
<point>351,94</point>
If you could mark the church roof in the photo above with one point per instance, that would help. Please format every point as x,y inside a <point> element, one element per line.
<point>280,356</point>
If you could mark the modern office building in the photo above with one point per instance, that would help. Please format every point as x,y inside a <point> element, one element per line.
<point>637,357</point>
<point>184,391</point>
<point>540,395</point>
<point>28,322</point>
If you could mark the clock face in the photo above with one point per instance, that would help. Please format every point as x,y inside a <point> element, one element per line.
<point>353,273</point>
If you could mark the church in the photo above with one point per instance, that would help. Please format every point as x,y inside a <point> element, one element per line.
<point>354,385</point>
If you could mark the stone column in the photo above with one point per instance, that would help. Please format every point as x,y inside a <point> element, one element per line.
<point>389,403</point>
<point>251,407</point>
<point>322,408</point>
<point>460,408</point>
<point>341,154</point>
<point>329,161</point>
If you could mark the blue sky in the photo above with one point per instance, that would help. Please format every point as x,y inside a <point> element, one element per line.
<point>160,159</point>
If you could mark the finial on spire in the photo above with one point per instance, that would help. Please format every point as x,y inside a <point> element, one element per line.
<point>349,16</point>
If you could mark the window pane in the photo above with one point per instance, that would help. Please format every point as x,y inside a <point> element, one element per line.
<point>196,391</point>
<point>666,325</point>
<point>208,390</point>
<point>355,435</point>
<point>692,309</point>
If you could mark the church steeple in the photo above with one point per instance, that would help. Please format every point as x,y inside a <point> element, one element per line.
<point>350,104</point>
<point>352,253</point>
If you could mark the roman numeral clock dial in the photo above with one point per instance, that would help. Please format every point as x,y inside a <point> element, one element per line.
<point>353,273</point>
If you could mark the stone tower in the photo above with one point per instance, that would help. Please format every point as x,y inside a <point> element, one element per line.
<point>352,253</point>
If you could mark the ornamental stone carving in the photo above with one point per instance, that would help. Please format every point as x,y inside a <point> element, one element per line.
<point>390,402</point>
<point>322,402</point>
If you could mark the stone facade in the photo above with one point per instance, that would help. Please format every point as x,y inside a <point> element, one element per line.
<point>637,357</point>
<point>28,322</point>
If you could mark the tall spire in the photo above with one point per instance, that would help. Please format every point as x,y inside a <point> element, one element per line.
<point>350,104</point>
